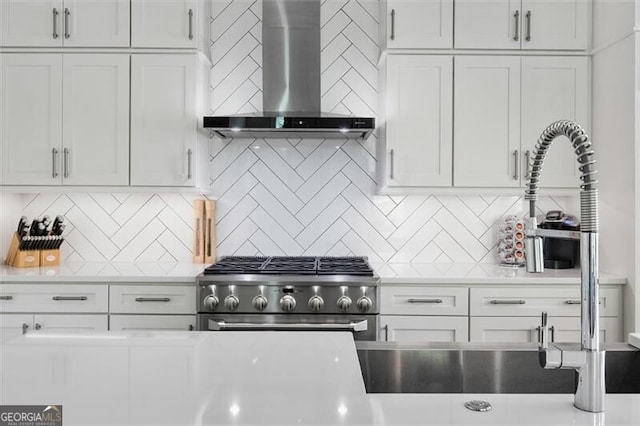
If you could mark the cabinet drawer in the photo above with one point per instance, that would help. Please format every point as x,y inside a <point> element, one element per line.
<point>145,299</point>
<point>412,329</point>
<point>152,322</point>
<point>506,301</point>
<point>67,298</point>
<point>424,301</point>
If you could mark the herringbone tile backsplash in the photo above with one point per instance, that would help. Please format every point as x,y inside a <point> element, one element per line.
<point>289,196</point>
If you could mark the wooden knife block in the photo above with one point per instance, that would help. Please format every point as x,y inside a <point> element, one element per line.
<point>204,239</point>
<point>30,258</point>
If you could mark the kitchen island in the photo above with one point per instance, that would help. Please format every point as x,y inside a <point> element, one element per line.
<point>179,378</point>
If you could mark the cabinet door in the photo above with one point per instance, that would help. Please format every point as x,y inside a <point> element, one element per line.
<point>419,24</point>
<point>152,322</point>
<point>36,23</point>
<point>103,23</point>
<point>96,120</point>
<point>481,24</point>
<point>487,121</point>
<point>31,97</point>
<point>423,329</point>
<point>163,119</point>
<point>418,133</point>
<point>554,88</point>
<point>63,323</point>
<point>164,23</point>
<point>553,24</point>
<point>13,325</point>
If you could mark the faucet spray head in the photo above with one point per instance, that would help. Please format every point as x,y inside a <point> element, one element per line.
<point>533,242</point>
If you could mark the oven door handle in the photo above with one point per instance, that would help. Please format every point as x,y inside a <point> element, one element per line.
<point>221,325</point>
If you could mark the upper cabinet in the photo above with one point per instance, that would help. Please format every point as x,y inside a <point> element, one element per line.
<point>526,24</point>
<point>69,23</point>
<point>164,23</point>
<point>415,24</point>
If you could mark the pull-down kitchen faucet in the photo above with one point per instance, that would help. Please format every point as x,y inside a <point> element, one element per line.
<point>589,358</point>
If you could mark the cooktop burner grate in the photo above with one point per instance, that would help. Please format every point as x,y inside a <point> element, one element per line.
<point>283,265</point>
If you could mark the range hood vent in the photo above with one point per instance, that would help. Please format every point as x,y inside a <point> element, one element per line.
<point>291,81</point>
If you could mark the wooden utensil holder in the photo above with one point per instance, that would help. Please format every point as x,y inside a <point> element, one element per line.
<point>30,258</point>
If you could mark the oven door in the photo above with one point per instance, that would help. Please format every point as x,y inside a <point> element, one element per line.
<point>363,327</point>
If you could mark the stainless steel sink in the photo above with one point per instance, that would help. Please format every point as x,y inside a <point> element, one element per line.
<point>480,368</point>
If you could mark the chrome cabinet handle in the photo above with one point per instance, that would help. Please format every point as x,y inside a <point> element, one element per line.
<point>527,157</point>
<point>25,328</point>
<point>54,171</point>
<point>351,326</point>
<point>38,326</point>
<point>539,330</point>
<point>516,16</point>
<point>189,157</point>
<point>434,301</point>
<point>577,302</point>
<point>515,165</point>
<point>393,24</point>
<point>391,165</point>
<point>55,23</point>
<point>528,15</point>
<point>190,328</point>
<point>153,299</point>
<point>386,333</point>
<point>190,24</point>
<point>6,297</point>
<point>553,333</point>
<point>68,298</point>
<point>66,163</point>
<point>507,302</point>
<point>67,34</point>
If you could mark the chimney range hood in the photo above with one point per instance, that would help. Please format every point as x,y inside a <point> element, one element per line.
<point>291,82</point>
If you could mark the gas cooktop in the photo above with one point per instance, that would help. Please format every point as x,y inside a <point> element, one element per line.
<point>294,265</point>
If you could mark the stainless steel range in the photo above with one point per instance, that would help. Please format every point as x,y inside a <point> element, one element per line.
<point>289,293</point>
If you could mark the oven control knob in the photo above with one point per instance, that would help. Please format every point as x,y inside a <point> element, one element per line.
<point>316,303</point>
<point>211,302</point>
<point>287,303</point>
<point>231,302</point>
<point>344,303</point>
<point>260,302</point>
<point>364,304</point>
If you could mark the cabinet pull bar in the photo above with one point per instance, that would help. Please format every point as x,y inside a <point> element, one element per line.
<point>66,163</point>
<point>189,157</point>
<point>6,297</point>
<point>67,298</point>
<point>528,37</point>
<point>386,333</point>
<point>55,23</point>
<point>507,302</point>
<point>527,157</point>
<point>577,302</point>
<point>391,166</point>
<point>516,16</point>
<point>515,165</point>
<point>153,299</point>
<point>54,172</point>
<point>553,333</point>
<point>539,330</point>
<point>434,301</point>
<point>25,328</point>
<point>393,24</point>
<point>67,34</point>
<point>190,328</point>
<point>190,24</point>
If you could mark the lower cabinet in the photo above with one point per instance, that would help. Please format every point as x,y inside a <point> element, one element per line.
<point>152,322</point>
<point>414,329</point>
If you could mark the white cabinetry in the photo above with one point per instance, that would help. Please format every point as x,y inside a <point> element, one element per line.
<point>415,329</point>
<point>76,135</point>
<point>503,103</point>
<point>417,24</point>
<point>163,119</point>
<point>164,23</point>
<point>527,24</point>
<point>72,23</point>
<point>417,140</point>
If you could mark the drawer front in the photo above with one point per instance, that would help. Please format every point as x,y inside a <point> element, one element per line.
<point>525,330</point>
<point>415,329</point>
<point>408,300</point>
<point>67,298</point>
<point>152,322</point>
<point>146,299</point>
<point>507,301</point>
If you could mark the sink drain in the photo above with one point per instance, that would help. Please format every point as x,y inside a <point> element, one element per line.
<point>476,405</point>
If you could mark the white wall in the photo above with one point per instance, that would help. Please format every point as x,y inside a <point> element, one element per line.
<point>10,212</point>
<point>614,142</point>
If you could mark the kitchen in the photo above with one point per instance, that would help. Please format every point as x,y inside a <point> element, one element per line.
<point>423,223</point>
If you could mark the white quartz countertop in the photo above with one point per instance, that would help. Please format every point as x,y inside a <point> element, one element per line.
<point>242,378</point>
<point>390,273</point>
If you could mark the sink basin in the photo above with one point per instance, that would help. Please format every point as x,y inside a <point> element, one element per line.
<point>479,368</point>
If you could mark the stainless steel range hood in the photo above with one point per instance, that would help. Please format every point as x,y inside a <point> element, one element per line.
<point>291,81</point>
